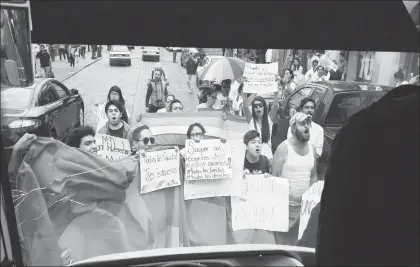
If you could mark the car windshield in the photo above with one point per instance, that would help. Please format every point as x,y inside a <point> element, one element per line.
<point>16,98</point>
<point>155,153</point>
<point>120,49</point>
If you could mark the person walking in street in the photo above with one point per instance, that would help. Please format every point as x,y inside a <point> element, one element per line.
<point>72,53</point>
<point>192,65</point>
<point>62,51</point>
<point>45,60</point>
<point>295,160</point>
<point>116,126</point>
<point>174,52</point>
<point>307,106</point>
<point>157,93</point>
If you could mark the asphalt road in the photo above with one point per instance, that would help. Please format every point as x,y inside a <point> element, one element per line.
<point>95,81</point>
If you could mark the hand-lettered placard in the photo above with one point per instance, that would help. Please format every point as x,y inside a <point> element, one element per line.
<point>196,189</point>
<point>264,204</point>
<point>310,199</point>
<point>112,148</point>
<point>208,159</point>
<point>159,170</point>
<point>260,78</point>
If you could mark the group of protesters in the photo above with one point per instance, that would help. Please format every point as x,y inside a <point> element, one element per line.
<point>294,159</point>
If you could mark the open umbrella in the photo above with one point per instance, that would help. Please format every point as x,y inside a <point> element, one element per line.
<point>226,68</point>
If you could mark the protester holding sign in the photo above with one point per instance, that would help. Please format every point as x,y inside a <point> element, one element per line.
<point>142,139</point>
<point>254,161</point>
<point>259,119</point>
<point>295,160</point>
<point>115,125</point>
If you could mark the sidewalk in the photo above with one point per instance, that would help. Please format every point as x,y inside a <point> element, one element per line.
<point>62,69</point>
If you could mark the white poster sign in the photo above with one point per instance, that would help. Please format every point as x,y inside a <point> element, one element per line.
<point>159,170</point>
<point>112,148</point>
<point>207,160</point>
<point>260,78</point>
<point>309,200</point>
<point>221,187</point>
<point>264,204</point>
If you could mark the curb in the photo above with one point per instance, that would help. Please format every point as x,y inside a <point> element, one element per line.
<point>68,77</point>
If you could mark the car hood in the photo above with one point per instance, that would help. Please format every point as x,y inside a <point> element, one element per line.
<point>154,255</point>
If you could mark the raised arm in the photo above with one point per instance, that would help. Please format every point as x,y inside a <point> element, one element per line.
<point>247,102</point>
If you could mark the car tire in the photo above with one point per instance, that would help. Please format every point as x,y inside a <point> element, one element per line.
<point>81,117</point>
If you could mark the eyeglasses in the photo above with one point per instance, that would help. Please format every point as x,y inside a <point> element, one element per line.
<point>257,105</point>
<point>196,134</point>
<point>147,140</point>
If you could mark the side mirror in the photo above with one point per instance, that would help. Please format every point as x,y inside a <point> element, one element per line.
<point>74,91</point>
<point>12,72</point>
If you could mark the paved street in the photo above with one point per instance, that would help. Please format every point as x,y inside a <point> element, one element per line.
<point>95,81</point>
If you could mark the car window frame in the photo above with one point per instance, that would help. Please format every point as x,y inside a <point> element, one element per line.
<point>62,87</point>
<point>44,88</point>
<point>339,94</point>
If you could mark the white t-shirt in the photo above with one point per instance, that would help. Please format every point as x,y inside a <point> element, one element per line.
<point>221,101</point>
<point>162,110</point>
<point>203,106</point>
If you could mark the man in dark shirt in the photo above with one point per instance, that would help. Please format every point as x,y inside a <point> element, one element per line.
<point>45,60</point>
<point>254,161</point>
<point>115,126</point>
<point>192,64</point>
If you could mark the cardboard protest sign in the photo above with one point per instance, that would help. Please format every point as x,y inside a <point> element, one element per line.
<point>264,204</point>
<point>112,148</point>
<point>209,159</point>
<point>332,65</point>
<point>309,200</point>
<point>159,170</point>
<point>260,78</point>
<point>221,187</point>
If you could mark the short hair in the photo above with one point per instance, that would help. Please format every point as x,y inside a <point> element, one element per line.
<point>208,91</point>
<point>227,82</point>
<point>173,102</point>
<point>115,103</point>
<point>138,130</point>
<point>42,45</point>
<point>306,100</point>
<point>250,135</point>
<point>315,60</point>
<point>342,54</point>
<point>171,95</point>
<point>399,75</point>
<point>197,124</point>
<point>74,138</point>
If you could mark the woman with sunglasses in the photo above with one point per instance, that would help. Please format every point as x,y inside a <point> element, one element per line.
<point>142,139</point>
<point>261,120</point>
<point>210,96</point>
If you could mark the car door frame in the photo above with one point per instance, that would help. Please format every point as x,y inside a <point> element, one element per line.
<point>71,106</point>
<point>52,113</point>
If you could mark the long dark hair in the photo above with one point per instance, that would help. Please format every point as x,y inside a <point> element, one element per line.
<point>294,67</point>
<point>265,129</point>
<point>122,101</point>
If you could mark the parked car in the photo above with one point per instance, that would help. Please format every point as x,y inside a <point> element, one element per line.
<point>47,108</point>
<point>203,65</point>
<point>151,52</point>
<point>336,102</point>
<point>185,53</point>
<point>119,54</point>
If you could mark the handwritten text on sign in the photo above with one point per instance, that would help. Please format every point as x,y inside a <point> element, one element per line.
<point>264,204</point>
<point>207,160</point>
<point>159,170</point>
<point>112,148</point>
<point>195,189</point>
<point>260,78</point>
<point>310,199</point>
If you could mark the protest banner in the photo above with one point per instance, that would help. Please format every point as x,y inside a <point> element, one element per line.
<point>112,148</point>
<point>209,159</point>
<point>309,200</point>
<point>264,204</point>
<point>159,170</point>
<point>260,78</point>
<point>221,187</point>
